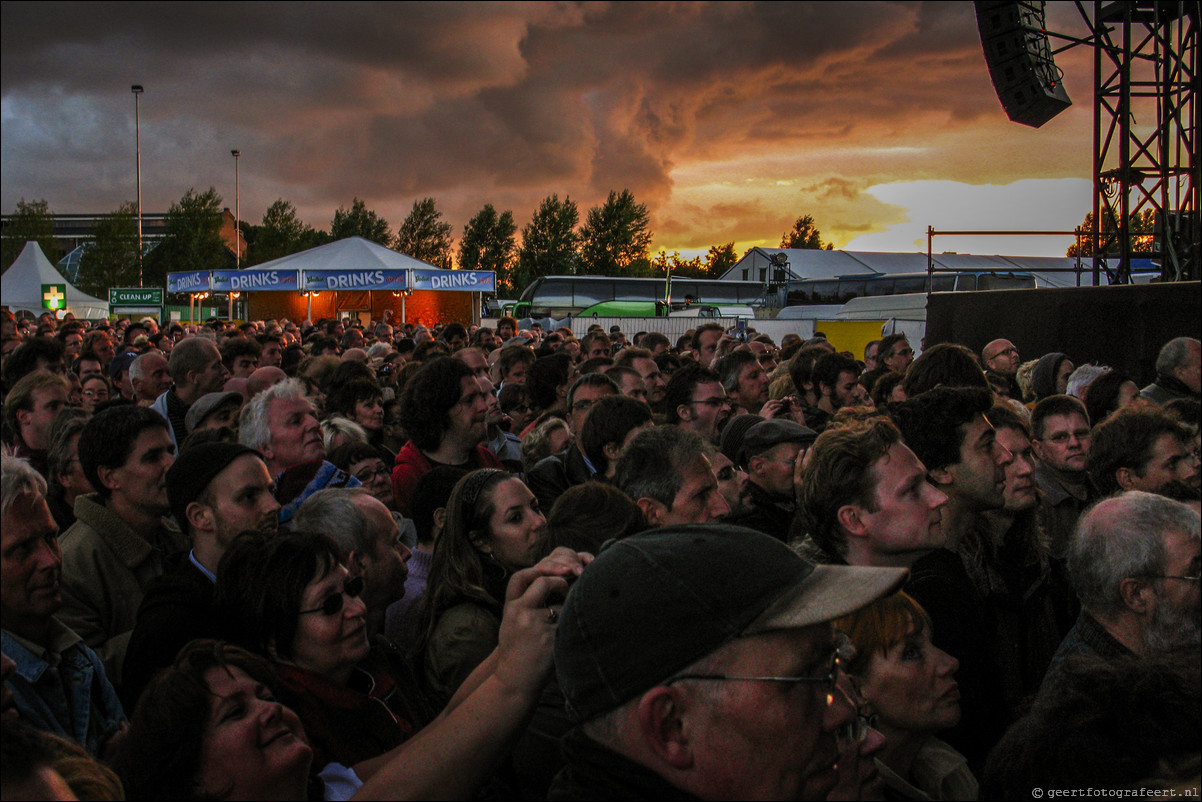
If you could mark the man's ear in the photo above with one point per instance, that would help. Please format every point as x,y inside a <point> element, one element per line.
<point>105,475</point>
<point>24,416</point>
<point>440,519</point>
<point>356,562</point>
<point>661,727</point>
<point>685,412</point>
<point>1135,594</point>
<point>848,518</point>
<point>1125,478</point>
<point>653,510</point>
<point>200,516</point>
<point>612,451</point>
<point>940,476</point>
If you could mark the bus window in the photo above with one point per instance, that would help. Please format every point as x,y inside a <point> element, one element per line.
<point>943,283</point>
<point>850,289</point>
<point>880,286</point>
<point>909,284</point>
<point>991,281</point>
<point>553,294</point>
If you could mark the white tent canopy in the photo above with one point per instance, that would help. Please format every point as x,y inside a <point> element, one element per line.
<point>352,253</point>
<point>21,287</point>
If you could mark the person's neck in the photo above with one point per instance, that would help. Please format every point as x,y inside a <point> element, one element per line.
<point>145,521</point>
<point>207,551</point>
<point>998,522</point>
<point>1125,628</point>
<point>31,442</point>
<point>826,406</point>
<point>451,452</point>
<point>1073,480</point>
<point>957,516</point>
<point>900,750</point>
<point>188,394</point>
<point>861,552</point>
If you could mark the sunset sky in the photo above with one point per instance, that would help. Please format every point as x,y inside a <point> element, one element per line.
<point>727,120</point>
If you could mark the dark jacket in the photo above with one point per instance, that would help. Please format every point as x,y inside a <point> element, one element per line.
<point>177,609</point>
<point>964,628</point>
<point>1166,389</point>
<point>554,474</point>
<point>596,772</point>
<point>766,515</point>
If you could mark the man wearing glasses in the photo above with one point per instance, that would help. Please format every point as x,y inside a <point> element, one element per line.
<point>700,660</point>
<point>895,352</point>
<point>1002,357</point>
<point>1134,563</point>
<point>1061,438</point>
<point>695,399</point>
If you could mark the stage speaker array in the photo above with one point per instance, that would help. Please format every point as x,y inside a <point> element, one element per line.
<point>1024,73</point>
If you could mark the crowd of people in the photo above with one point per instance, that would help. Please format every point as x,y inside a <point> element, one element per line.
<point>336,560</point>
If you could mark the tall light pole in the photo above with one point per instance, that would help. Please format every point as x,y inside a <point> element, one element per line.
<point>137,90</point>
<point>237,225</point>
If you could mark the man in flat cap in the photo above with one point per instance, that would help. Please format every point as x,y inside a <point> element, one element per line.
<point>771,451</point>
<point>699,662</point>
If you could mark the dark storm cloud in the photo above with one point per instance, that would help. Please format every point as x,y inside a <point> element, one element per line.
<point>473,103</point>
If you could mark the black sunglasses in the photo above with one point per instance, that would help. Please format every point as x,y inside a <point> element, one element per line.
<point>334,602</point>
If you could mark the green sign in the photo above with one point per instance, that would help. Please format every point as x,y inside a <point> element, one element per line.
<point>135,296</point>
<point>54,296</point>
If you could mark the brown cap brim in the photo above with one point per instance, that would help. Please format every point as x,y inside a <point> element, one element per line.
<point>829,592</point>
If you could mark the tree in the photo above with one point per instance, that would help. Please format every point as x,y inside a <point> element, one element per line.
<point>192,239</point>
<point>425,235</point>
<point>280,234</point>
<point>804,235</point>
<point>1139,223</point>
<point>550,242</point>
<point>489,244</point>
<point>720,259</point>
<point>112,259</point>
<point>683,268</point>
<point>616,237</point>
<point>31,222</point>
<point>360,222</point>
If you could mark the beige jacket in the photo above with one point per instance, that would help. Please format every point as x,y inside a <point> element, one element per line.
<point>106,569</point>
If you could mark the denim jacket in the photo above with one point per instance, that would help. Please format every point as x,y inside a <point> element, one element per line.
<point>72,698</point>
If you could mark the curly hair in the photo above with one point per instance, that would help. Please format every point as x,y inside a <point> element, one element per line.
<point>932,424</point>
<point>944,365</point>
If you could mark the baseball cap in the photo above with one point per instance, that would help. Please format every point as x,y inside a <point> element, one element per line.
<point>732,436</point>
<point>654,603</point>
<point>121,363</point>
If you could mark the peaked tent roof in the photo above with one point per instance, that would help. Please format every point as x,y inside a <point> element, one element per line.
<point>21,286</point>
<point>352,253</point>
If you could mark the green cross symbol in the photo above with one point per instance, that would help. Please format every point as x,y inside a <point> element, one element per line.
<point>53,295</point>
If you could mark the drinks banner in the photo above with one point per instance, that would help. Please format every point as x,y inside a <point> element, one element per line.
<point>326,280</point>
<point>455,280</point>
<point>244,280</point>
<point>191,281</point>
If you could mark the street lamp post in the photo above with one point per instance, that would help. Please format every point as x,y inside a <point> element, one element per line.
<point>237,225</point>
<point>137,90</point>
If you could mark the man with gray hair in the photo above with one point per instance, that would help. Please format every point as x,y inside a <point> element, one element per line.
<point>196,369</point>
<point>369,537</point>
<point>150,375</point>
<point>745,382</point>
<point>58,683</point>
<point>1178,372</point>
<point>1134,563</point>
<point>281,424</point>
<point>665,472</point>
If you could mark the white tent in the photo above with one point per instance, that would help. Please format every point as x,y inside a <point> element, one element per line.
<point>21,287</point>
<point>352,253</point>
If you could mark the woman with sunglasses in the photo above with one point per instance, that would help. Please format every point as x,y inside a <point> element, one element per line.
<point>291,599</point>
<point>493,528</point>
<point>216,724</point>
<point>909,694</point>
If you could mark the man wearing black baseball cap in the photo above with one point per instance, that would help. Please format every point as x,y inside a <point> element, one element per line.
<point>217,491</point>
<point>770,452</point>
<point>699,662</point>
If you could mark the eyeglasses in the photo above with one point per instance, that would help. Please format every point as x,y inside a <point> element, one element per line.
<point>334,603</point>
<point>828,679</point>
<point>1060,438</point>
<point>368,474</point>
<point>1175,576</point>
<point>904,352</point>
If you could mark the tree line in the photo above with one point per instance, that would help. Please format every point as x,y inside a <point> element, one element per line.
<point>614,239</point>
